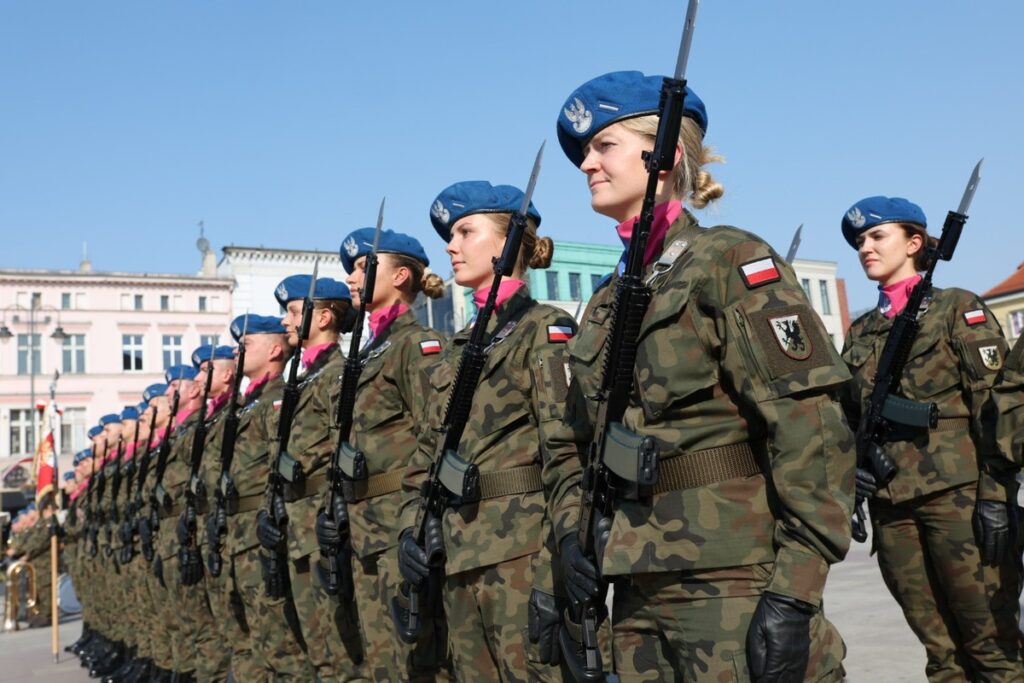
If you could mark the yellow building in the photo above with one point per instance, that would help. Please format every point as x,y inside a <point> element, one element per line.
<point>1007,303</point>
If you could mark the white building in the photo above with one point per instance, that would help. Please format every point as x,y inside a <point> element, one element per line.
<point>256,271</point>
<point>827,295</point>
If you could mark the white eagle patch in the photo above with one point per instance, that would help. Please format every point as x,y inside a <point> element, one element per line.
<point>439,212</point>
<point>351,247</point>
<point>282,292</point>
<point>990,357</point>
<point>578,115</point>
<point>856,218</point>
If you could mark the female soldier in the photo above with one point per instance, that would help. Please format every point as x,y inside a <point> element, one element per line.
<point>719,570</point>
<point>955,583</point>
<point>493,546</point>
<point>388,416</point>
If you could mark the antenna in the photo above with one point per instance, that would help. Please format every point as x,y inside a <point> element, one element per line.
<point>202,244</point>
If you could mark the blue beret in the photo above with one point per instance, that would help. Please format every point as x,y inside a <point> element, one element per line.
<point>81,455</point>
<point>872,211</point>
<point>142,407</point>
<point>30,506</point>
<point>68,476</point>
<point>210,352</point>
<point>94,431</point>
<point>297,287</point>
<point>154,390</point>
<point>258,324</point>
<point>475,196</point>
<point>111,418</point>
<point>615,96</point>
<point>186,372</point>
<point>360,243</point>
<point>130,413</point>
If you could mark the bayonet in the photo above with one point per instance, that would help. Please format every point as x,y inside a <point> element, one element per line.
<point>684,45</point>
<point>972,185</point>
<point>794,245</point>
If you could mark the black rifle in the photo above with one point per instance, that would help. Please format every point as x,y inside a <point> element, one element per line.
<point>285,467</point>
<point>225,492</point>
<point>124,532</point>
<point>136,503</point>
<point>434,495</point>
<point>115,486</point>
<point>887,410</point>
<point>601,487</point>
<point>347,464</point>
<point>158,497</point>
<point>194,489</point>
<point>91,518</point>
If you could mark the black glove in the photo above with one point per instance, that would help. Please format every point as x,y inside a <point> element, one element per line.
<point>216,526</point>
<point>269,535</point>
<point>779,639</point>
<point>414,561</point>
<point>867,485</point>
<point>327,534</point>
<point>183,530</point>
<point>995,530</point>
<point>581,576</point>
<point>544,615</point>
<point>190,564</point>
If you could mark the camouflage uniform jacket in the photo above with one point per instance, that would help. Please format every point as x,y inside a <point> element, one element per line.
<point>309,443</point>
<point>516,407</point>
<point>953,363</point>
<point>209,466</point>
<point>723,358</point>
<point>389,413</point>
<point>251,462</point>
<point>174,482</point>
<point>1008,396</point>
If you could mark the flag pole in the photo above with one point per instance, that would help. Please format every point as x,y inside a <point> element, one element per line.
<point>55,523</point>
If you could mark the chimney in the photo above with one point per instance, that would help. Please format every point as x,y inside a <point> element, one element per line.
<point>85,265</point>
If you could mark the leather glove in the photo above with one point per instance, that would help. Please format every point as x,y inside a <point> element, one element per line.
<point>269,535</point>
<point>412,560</point>
<point>544,619</point>
<point>183,530</point>
<point>995,530</point>
<point>327,534</point>
<point>216,526</point>
<point>581,576</point>
<point>779,639</point>
<point>866,486</point>
<point>214,563</point>
<point>190,564</point>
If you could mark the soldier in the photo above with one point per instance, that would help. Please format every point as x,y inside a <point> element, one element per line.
<point>330,631</point>
<point>388,417</point>
<point>720,564</point>
<point>496,548</point>
<point>263,633</point>
<point>91,633</point>
<point>943,526</point>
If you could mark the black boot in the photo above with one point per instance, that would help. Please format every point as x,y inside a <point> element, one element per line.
<point>73,648</point>
<point>144,672</point>
<point>108,665</point>
<point>122,672</point>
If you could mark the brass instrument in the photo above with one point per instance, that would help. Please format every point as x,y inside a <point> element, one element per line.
<point>13,595</point>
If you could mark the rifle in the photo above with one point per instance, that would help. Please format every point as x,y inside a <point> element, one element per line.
<point>447,465</point>
<point>194,490</point>
<point>285,467</point>
<point>600,486</point>
<point>158,497</point>
<point>134,506</point>
<point>90,511</point>
<point>225,493</point>
<point>347,464</point>
<point>125,531</point>
<point>887,410</point>
<point>115,485</point>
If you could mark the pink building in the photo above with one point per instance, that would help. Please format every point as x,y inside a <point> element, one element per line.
<point>117,332</point>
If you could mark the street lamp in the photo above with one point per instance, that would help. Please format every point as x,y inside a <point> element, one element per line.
<point>58,335</point>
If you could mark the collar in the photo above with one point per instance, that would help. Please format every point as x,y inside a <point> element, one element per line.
<point>183,415</point>
<point>506,289</point>
<point>892,299</point>
<point>311,354</point>
<point>216,403</point>
<point>256,384</point>
<point>382,318</point>
<point>665,214</point>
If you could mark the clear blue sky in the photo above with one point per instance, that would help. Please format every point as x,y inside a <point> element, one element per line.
<point>125,123</point>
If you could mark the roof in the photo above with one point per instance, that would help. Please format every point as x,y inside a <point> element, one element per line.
<point>1011,285</point>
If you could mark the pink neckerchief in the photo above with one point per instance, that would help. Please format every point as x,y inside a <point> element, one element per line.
<point>506,289</point>
<point>892,299</point>
<point>183,414</point>
<point>129,451</point>
<point>311,353</point>
<point>256,384</point>
<point>216,403</point>
<point>665,215</point>
<point>78,490</point>
<point>382,318</point>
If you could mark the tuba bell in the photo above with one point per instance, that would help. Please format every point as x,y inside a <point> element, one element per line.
<point>13,595</point>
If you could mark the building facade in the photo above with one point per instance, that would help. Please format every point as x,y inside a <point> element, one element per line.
<point>826,294</point>
<point>107,334</point>
<point>256,271</point>
<point>1006,300</point>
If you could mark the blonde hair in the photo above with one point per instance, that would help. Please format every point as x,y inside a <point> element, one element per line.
<point>688,179</point>
<point>535,251</point>
<point>430,284</point>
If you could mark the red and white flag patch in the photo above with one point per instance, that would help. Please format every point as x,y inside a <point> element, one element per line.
<point>559,334</point>
<point>430,347</point>
<point>760,272</point>
<point>277,404</point>
<point>975,317</point>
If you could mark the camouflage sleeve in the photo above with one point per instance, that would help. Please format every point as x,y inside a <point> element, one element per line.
<point>773,350</point>
<point>853,355</point>
<point>1008,399</point>
<point>436,381</point>
<point>414,370</point>
<point>980,344</point>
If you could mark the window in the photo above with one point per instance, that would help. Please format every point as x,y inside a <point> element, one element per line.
<point>65,300</point>
<point>72,430</point>
<point>22,440</point>
<point>575,287</point>
<point>126,302</point>
<point>208,339</point>
<point>138,302</point>
<point>37,299</point>
<point>172,350</point>
<point>826,307</point>
<point>74,354</point>
<point>552,276</point>
<point>806,284</point>
<point>131,352</point>
<point>165,302</point>
<point>28,343</point>
<point>1016,323</point>
<point>202,303</point>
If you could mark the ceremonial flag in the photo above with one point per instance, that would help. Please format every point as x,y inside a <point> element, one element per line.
<point>45,462</point>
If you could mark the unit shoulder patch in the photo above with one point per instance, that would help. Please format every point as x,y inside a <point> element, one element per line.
<point>760,272</point>
<point>975,317</point>
<point>990,357</point>
<point>430,347</point>
<point>791,336</point>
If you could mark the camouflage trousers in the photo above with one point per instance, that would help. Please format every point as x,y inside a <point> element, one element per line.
<point>693,627</point>
<point>138,606</point>
<point>162,640</point>
<point>331,631</point>
<point>274,632</point>
<point>487,624</point>
<point>211,658</point>
<point>963,612</point>
<point>229,617</point>
<point>377,580</point>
